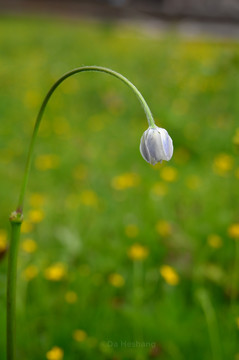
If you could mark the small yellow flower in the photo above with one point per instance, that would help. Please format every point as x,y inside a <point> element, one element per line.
<point>235,139</point>
<point>89,198</point>
<point>237,321</point>
<point>35,216</point>
<point>138,252</point>
<point>125,181</point>
<point>79,335</point>
<point>222,164</point>
<point>131,230</point>
<point>31,99</point>
<point>30,272</point>
<point>237,173</point>
<point>164,228</point>
<point>215,241</point>
<point>47,162</point>
<point>233,231</point>
<point>29,245</point>
<point>169,275</point>
<point>26,227</point>
<point>61,127</point>
<point>116,280</point>
<point>55,272</point>
<point>169,174</point>
<point>159,189</point>
<point>3,240</point>
<point>55,353</point>
<point>37,200</point>
<point>71,297</point>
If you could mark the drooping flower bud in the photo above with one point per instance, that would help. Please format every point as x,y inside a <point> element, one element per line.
<point>156,145</point>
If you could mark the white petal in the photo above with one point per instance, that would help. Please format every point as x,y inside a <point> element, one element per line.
<point>167,144</point>
<point>155,145</point>
<point>143,149</point>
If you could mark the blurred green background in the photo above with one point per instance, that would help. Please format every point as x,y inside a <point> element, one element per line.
<point>119,259</point>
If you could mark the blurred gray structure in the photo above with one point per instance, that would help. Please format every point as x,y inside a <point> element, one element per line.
<point>208,10</point>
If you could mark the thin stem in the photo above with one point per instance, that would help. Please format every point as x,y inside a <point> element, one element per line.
<point>11,286</point>
<point>41,111</point>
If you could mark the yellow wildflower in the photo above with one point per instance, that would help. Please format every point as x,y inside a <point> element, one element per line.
<point>116,280</point>
<point>47,162</point>
<point>30,272</point>
<point>159,189</point>
<point>237,173</point>
<point>55,272</point>
<point>35,216</point>
<point>215,241</point>
<point>138,252</point>
<point>29,245</point>
<point>125,181</point>
<point>164,228</point>
<point>169,174</point>
<point>26,227</point>
<point>31,99</point>
<point>233,231</point>
<point>222,164</point>
<point>71,297</point>
<point>61,127</point>
<point>37,200</point>
<point>55,353</point>
<point>236,137</point>
<point>79,335</point>
<point>89,198</point>
<point>237,321</point>
<point>131,230</point>
<point>169,275</point>
<point>3,240</point>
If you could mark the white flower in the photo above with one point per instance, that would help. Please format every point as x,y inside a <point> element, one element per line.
<point>156,145</point>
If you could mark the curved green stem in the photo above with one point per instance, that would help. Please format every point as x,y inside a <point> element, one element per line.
<point>16,217</point>
<point>50,92</point>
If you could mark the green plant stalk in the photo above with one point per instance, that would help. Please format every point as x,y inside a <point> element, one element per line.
<point>211,321</point>
<point>16,221</point>
<point>17,217</point>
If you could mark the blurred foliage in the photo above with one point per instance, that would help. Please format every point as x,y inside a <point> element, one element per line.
<point>120,259</point>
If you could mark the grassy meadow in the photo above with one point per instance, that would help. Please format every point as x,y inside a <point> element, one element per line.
<point>120,260</point>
